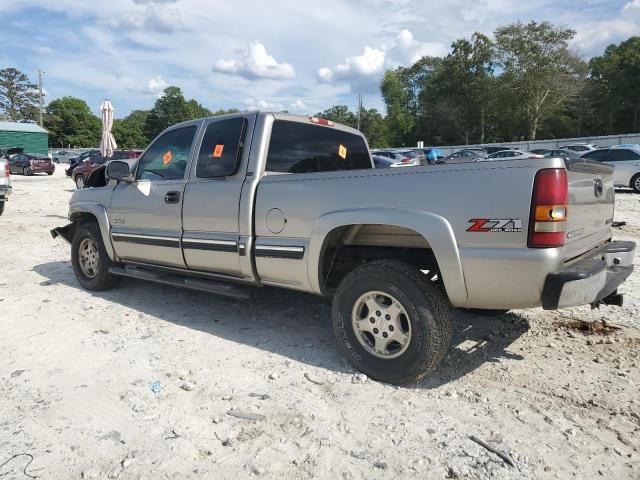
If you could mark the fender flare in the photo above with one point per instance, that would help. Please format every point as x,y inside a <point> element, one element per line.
<point>435,229</point>
<point>100,213</point>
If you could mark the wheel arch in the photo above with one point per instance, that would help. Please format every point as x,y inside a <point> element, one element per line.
<point>83,212</point>
<point>434,230</point>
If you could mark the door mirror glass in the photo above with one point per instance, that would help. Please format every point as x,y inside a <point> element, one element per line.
<point>119,171</point>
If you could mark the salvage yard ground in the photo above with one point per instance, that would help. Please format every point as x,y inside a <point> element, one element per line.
<point>148,381</point>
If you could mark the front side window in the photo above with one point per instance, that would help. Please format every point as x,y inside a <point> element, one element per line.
<point>221,148</point>
<point>167,157</point>
<point>304,148</point>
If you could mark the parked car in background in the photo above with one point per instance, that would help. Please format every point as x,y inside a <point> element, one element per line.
<point>510,155</point>
<point>493,149</point>
<point>80,174</point>
<point>5,182</point>
<point>30,163</point>
<point>382,162</point>
<point>10,151</point>
<point>539,151</point>
<point>397,156</point>
<point>74,162</point>
<point>558,152</point>
<point>580,147</point>
<point>466,155</point>
<point>63,156</point>
<point>626,161</point>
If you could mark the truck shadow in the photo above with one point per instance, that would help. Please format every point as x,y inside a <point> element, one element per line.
<point>293,324</point>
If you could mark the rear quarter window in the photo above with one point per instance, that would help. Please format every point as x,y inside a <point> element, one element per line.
<point>300,148</point>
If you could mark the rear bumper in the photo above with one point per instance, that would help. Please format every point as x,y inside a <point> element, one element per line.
<point>591,279</point>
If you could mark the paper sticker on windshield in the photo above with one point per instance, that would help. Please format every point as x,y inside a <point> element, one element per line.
<point>342,152</point>
<point>217,152</point>
<point>167,157</point>
<point>485,225</point>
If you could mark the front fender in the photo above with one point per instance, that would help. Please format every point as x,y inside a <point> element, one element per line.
<point>435,229</point>
<point>99,212</point>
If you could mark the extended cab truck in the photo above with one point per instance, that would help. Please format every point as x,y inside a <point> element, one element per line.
<point>5,183</point>
<point>223,203</point>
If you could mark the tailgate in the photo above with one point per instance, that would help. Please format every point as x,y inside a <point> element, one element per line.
<point>591,205</point>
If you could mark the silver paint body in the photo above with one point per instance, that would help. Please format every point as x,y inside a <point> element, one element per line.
<point>253,219</point>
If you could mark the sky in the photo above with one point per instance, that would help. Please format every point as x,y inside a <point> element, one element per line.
<point>296,55</point>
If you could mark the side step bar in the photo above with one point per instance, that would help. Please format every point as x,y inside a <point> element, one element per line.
<point>176,280</point>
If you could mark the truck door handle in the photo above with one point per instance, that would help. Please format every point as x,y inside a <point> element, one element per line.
<point>172,197</point>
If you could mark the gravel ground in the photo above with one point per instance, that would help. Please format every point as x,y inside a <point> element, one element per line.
<point>148,381</point>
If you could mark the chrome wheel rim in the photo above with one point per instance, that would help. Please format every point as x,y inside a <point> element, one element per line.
<point>88,258</point>
<point>381,325</point>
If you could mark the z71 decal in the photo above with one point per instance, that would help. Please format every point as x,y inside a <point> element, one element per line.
<point>484,225</point>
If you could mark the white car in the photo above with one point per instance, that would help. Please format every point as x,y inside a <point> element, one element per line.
<point>625,159</point>
<point>509,155</point>
<point>580,147</point>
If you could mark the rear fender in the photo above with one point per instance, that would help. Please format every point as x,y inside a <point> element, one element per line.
<point>435,229</point>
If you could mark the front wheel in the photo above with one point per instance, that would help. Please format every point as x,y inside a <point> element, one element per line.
<point>90,260</point>
<point>635,183</point>
<point>391,322</point>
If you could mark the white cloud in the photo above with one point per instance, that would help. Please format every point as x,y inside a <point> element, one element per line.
<point>363,72</point>
<point>156,85</point>
<point>299,106</point>
<point>256,63</point>
<point>43,49</point>
<point>156,18</point>
<point>263,104</point>
<point>632,8</point>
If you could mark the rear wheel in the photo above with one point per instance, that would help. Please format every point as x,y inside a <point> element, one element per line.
<point>80,182</point>
<point>391,322</point>
<point>635,183</point>
<point>26,171</point>
<point>90,260</point>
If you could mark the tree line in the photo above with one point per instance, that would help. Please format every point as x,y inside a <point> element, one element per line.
<point>525,83</point>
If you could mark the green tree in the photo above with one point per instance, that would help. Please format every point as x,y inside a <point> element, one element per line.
<point>128,135</point>
<point>374,128</point>
<point>18,96</point>
<point>398,96</point>
<point>339,114</point>
<point>539,70</point>
<point>169,109</point>
<point>196,110</point>
<point>615,82</point>
<point>71,122</point>
<point>225,112</point>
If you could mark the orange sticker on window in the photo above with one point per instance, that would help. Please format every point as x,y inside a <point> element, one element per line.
<point>342,152</point>
<point>217,152</point>
<point>167,157</point>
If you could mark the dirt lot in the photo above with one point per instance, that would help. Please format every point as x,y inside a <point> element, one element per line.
<point>77,373</point>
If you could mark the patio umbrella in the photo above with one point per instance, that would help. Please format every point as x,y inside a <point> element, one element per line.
<point>108,143</point>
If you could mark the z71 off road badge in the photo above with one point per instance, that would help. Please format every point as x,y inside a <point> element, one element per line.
<point>485,225</point>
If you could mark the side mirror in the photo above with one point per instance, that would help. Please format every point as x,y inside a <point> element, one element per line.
<point>119,171</point>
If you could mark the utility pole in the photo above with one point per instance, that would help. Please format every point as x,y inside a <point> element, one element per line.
<point>40,72</point>
<point>359,109</point>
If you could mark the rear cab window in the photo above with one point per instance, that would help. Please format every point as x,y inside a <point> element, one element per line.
<point>304,148</point>
<point>221,148</point>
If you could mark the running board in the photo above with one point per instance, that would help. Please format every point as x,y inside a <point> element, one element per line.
<point>176,280</point>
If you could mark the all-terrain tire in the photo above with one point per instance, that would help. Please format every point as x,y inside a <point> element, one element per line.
<point>428,312</point>
<point>100,279</point>
<point>635,183</point>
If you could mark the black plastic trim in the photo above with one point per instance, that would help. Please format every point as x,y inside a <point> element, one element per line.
<point>214,247</point>
<point>156,242</point>
<point>265,252</point>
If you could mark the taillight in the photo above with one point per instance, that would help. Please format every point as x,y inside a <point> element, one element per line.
<point>548,220</point>
<point>7,171</point>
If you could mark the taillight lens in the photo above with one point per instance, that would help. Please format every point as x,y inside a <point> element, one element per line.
<point>7,171</point>
<point>548,222</point>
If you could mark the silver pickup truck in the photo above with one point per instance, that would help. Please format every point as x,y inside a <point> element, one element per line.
<point>223,203</point>
<point>5,183</point>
